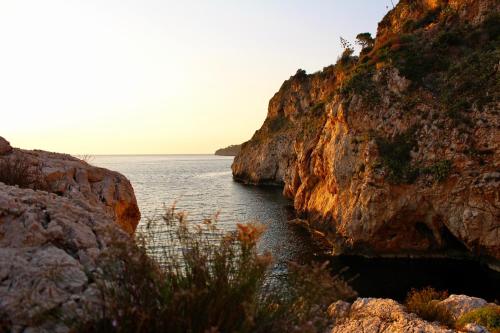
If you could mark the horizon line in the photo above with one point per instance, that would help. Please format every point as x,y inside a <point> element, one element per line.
<point>153,154</point>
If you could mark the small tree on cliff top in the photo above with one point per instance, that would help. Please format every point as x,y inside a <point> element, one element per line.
<point>365,40</point>
<point>345,58</point>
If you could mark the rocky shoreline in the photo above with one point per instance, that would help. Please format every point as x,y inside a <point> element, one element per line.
<point>394,152</point>
<point>386,156</point>
<point>51,241</point>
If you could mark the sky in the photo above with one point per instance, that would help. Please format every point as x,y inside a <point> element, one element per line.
<point>159,76</point>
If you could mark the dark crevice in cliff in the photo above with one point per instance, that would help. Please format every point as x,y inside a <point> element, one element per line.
<point>452,243</point>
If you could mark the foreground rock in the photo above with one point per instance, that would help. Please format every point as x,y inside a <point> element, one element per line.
<point>73,178</point>
<point>4,146</point>
<point>387,155</point>
<point>49,245</point>
<point>375,315</point>
<point>51,237</point>
<point>459,305</point>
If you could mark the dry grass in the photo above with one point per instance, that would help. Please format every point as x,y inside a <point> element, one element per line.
<point>87,158</point>
<point>195,278</point>
<point>424,303</point>
<point>18,171</point>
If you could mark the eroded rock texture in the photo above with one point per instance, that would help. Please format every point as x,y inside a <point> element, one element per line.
<point>49,245</point>
<point>374,315</point>
<point>73,178</point>
<point>395,152</point>
<point>377,315</point>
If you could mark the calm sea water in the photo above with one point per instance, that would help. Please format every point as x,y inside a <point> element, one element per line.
<point>202,185</point>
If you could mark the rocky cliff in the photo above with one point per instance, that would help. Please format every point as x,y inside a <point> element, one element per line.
<point>395,152</point>
<point>73,178</point>
<point>58,215</point>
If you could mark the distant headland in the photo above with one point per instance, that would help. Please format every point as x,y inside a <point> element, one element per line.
<point>231,150</point>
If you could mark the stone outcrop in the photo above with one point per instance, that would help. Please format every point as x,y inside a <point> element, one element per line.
<point>49,245</point>
<point>387,155</point>
<point>459,305</point>
<point>73,178</point>
<point>375,315</point>
<point>58,215</point>
<point>4,146</point>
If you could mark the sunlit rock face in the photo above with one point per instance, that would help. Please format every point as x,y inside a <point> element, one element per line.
<point>376,315</point>
<point>387,156</point>
<point>73,178</point>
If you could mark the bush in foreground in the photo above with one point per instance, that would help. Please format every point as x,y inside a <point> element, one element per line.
<point>424,303</point>
<point>195,278</point>
<point>487,316</point>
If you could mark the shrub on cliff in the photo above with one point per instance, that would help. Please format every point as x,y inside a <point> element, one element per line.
<point>365,40</point>
<point>424,303</point>
<point>17,171</point>
<point>396,157</point>
<point>196,278</point>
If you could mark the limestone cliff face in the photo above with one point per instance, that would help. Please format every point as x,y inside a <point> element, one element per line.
<point>73,178</point>
<point>395,152</point>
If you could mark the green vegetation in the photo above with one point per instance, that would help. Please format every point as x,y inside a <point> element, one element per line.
<point>453,68</point>
<point>413,59</point>
<point>360,82</point>
<point>300,73</point>
<point>440,170</point>
<point>196,278</point>
<point>278,123</point>
<point>469,82</point>
<point>318,108</point>
<point>487,316</point>
<point>365,40</point>
<point>396,157</point>
<point>312,120</point>
<point>231,150</point>
<point>457,64</point>
<point>311,125</point>
<point>429,17</point>
<point>424,303</point>
<point>346,60</point>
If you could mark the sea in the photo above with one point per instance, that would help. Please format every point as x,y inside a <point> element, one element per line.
<point>202,186</point>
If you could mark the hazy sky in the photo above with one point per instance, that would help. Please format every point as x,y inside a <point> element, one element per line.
<point>158,76</point>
